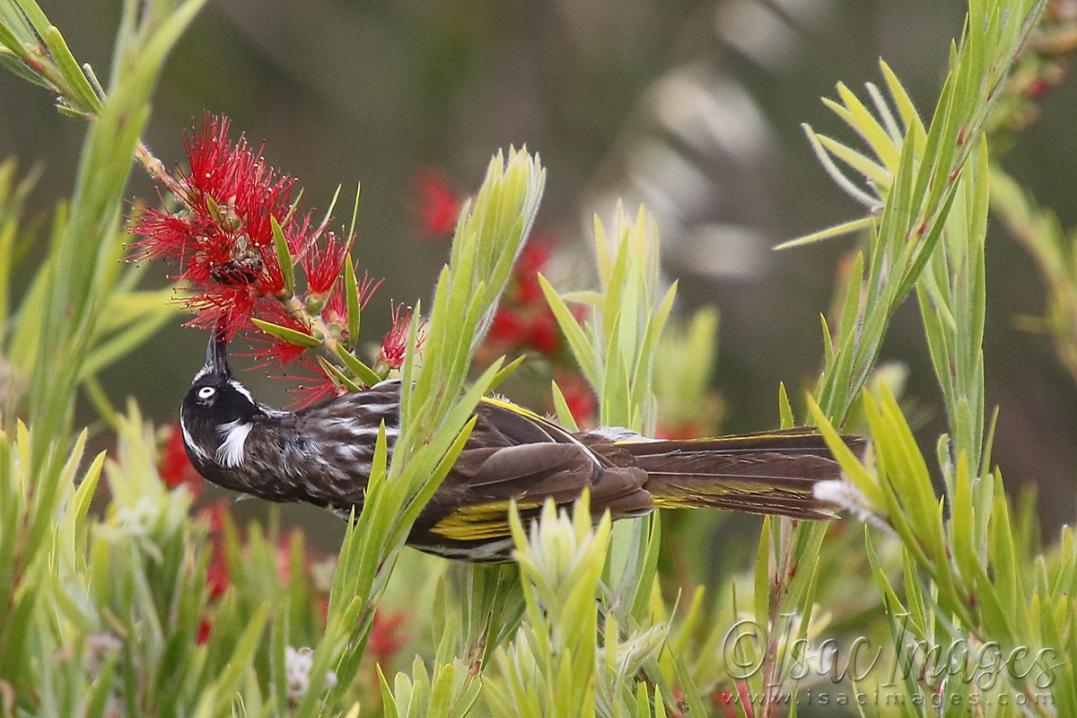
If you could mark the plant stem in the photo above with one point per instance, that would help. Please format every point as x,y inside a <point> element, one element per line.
<point>155,168</point>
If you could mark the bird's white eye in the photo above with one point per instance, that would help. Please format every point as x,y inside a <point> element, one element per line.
<point>206,392</point>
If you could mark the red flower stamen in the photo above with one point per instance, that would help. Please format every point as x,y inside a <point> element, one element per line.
<point>175,468</point>
<point>507,326</point>
<point>438,204</point>
<point>313,386</point>
<point>322,265</point>
<point>395,344</point>
<point>386,635</point>
<point>204,629</point>
<point>223,237</point>
<point>542,332</point>
<point>336,309</point>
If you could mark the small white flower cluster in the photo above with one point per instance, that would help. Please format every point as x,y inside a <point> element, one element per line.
<point>297,666</point>
<point>321,573</point>
<point>847,496</point>
<point>138,518</point>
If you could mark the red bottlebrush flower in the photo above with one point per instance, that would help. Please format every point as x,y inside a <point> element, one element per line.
<point>229,307</point>
<point>386,637</point>
<point>235,176</point>
<point>533,259</point>
<point>542,332</point>
<point>336,308</point>
<point>395,343</point>
<point>528,290</point>
<point>438,204</point>
<point>214,515</point>
<point>174,466</point>
<point>534,256</point>
<point>682,430</point>
<point>579,397</point>
<point>218,579</point>
<point>322,265</point>
<point>223,237</point>
<point>204,629</point>
<point>507,326</point>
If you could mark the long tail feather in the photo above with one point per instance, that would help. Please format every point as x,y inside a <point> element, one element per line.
<point>765,473</point>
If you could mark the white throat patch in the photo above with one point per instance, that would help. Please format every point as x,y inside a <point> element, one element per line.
<point>230,453</point>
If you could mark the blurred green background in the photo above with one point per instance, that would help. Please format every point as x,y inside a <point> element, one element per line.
<point>693,107</point>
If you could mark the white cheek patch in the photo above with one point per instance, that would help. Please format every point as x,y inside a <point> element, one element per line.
<point>231,451</point>
<point>190,442</point>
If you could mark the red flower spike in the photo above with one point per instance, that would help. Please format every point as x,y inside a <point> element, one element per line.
<point>534,256</point>
<point>236,179</point>
<point>227,307</point>
<point>204,629</point>
<point>507,326</point>
<point>213,515</point>
<point>680,431</point>
<point>218,579</point>
<point>542,332</point>
<point>223,238</point>
<point>438,204</point>
<point>322,265</point>
<point>386,637</point>
<point>395,344</point>
<point>533,259</point>
<point>174,466</point>
<point>336,308</point>
<point>528,290</point>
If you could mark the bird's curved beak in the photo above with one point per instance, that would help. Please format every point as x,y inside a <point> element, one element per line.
<point>217,355</point>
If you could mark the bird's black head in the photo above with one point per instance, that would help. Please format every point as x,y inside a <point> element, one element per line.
<point>217,414</point>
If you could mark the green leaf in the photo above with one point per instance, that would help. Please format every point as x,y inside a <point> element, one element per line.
<point>337,376</point>
<point>351,295</point>
<point>564,414</point>
<point>362,372</point>
<point>284,257</point>
<point>286,334</point>
<point>70,70</point>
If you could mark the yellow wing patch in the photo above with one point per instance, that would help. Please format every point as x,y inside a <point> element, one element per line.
<point>480,522</point>
<point>515,408</point>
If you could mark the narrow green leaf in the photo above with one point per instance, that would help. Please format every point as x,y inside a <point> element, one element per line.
<point>362,372</point>
<point>286,334</point>
<point>284,257</point>
<point>560,405</point>
<point>838,230</point>
<point>70,70</point>
<point>351,294</point>
<point>337,376</point>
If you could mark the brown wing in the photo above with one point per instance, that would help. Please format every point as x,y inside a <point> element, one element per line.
<point>512,456</point>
